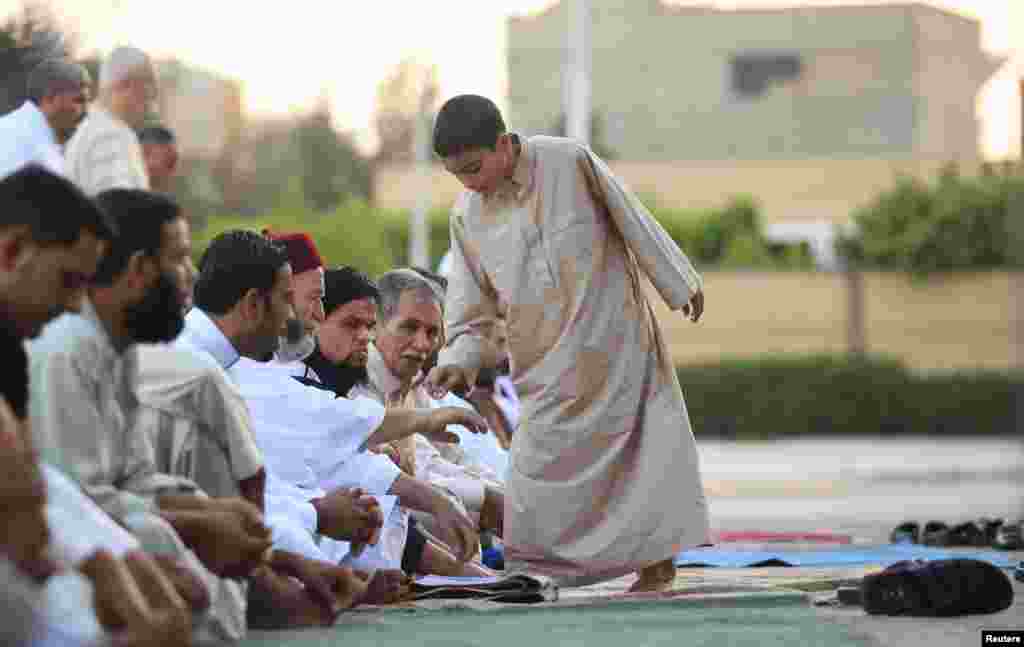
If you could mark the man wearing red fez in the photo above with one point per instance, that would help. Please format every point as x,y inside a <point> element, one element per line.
<point>308,284</point>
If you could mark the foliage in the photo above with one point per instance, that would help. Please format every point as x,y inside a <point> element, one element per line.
<point>294,165</point>
<point>26,39</point>
<point>350,234</point>
<point>730,237</point>
<point>955,223</point>
<point>839,395</point>
<point>331,169</point>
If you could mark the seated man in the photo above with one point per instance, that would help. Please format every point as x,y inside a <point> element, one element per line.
<point>409,312</point>
<point>310,439</point>
<point>54,237</point>
<point>84,409</point>
<point>309,521</point>
<point>485,452</point>
<point>347,362</point>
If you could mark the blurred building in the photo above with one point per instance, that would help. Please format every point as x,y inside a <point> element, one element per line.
<point>672,83</point>
<point>812,111</point>
<point>205,111</point>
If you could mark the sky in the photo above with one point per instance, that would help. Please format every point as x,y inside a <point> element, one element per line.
<point>342,50</point>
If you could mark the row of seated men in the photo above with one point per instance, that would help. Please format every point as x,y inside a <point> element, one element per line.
<point>202,452</point>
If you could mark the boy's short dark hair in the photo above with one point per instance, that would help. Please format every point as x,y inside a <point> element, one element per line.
<point>467,122</point>
<point>235,262</point>
<point>54,209</point>
<point>140,217</point>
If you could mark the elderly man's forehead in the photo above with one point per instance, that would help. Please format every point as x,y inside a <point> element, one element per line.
<point>310,280</point>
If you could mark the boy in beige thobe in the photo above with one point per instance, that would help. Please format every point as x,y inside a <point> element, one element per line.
<point>604,477</point>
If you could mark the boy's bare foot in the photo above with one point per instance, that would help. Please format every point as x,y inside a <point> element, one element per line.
<point>655,578</point>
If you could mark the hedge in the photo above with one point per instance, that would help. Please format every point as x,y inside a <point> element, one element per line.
<point>376,239</point>
<point>839,395</point>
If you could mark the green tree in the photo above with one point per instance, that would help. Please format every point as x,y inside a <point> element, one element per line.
<point>331,168</point>
<point>954,223</point>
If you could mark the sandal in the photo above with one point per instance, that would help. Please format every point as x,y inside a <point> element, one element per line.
<point>907,532</point>
<point>969,533</point>
<point>936,533</point>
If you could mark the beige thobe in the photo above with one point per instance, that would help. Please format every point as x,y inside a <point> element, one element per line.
<point>104,153</point>
<point>197,419</point>
<point>84,410</point>
<point>604,476</point>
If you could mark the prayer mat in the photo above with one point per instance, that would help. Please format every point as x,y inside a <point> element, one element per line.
<point>710,621</point>
<point>882,555</point>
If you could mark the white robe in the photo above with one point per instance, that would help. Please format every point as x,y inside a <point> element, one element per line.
<point>316,442</point>
<point>293,452</point>
<point>104,153</point>
<point>26,137</point>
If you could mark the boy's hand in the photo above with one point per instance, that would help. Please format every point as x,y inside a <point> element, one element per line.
<point>450,378</point>
<point>695,308</point>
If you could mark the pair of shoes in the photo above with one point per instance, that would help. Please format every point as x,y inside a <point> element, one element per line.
<point>1009,536</point>
<point>969,533</point>
<point>940,588</point>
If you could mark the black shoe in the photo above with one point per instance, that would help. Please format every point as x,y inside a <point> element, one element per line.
<point>942,588</point>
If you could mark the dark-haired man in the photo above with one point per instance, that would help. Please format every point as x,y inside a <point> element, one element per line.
<point>83,405</point>
<point>604,478</point>
<point>160,153</point>
<point>58,92</point>
<point>311,439</point>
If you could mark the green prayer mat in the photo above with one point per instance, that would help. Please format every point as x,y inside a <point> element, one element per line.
<point>754,621</point>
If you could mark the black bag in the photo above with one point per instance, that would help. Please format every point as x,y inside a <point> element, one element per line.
<point>940,588</point>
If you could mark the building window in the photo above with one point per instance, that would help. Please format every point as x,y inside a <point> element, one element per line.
<point>754,72</point>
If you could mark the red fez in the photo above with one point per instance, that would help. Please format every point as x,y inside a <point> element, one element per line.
<point>302,254</point>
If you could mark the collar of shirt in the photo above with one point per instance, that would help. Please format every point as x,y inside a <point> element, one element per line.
<point>382,379</point>
<point>89,314</point>
<point>203,333</point>
<point>518,185</point>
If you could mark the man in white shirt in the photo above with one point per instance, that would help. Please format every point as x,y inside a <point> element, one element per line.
<point>310,438</point>
<point>57,94</point>
<point>105,152</point>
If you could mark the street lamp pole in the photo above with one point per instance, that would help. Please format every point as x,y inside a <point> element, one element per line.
<point>577,112</point>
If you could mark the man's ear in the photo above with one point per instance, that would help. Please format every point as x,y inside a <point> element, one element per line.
<point>253,305</point>
<point>16,248</point>
<point>139,271</point>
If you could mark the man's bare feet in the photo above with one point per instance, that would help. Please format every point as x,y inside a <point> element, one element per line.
<point>655,578</point>
<point>386,587</point>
